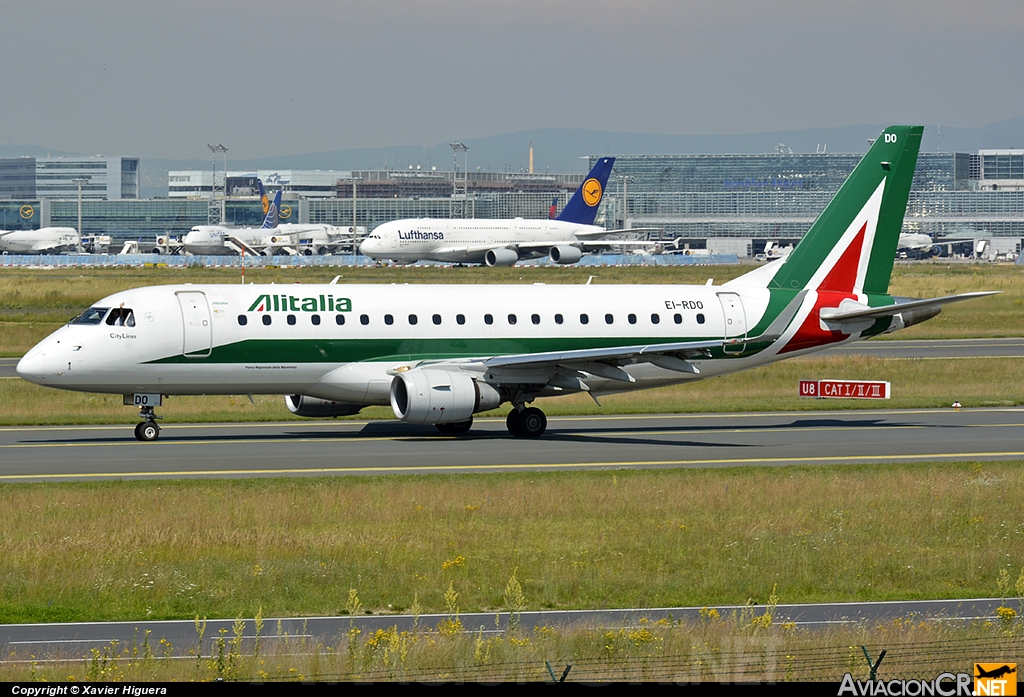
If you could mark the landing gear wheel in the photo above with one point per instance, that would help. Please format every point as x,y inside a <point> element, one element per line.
<point>532,423</point>
<point>455,429</point>
<point>513,422</point>
<point>147,430</point>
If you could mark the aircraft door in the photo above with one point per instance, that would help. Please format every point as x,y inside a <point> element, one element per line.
<point>195,319</point>
<point>735,322</point>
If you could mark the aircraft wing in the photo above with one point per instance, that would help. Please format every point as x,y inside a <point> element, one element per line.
<point>625,354</point>
<point>671,355</point>
<point>850,311</point>
<point>581,244</point>
<point>599,233</point>
<point>604,362</point>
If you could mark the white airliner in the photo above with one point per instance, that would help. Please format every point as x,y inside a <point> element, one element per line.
<point>45,240</point>
<point>923,243</point>
<point>219,240</point>
<point>438,354</point>
<point>500,242</point>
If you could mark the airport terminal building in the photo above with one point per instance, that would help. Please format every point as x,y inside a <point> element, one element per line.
<point>778,196</point>
<point>746,198</point>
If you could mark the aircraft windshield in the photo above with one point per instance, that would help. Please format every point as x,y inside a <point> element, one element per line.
<point>94,315</point>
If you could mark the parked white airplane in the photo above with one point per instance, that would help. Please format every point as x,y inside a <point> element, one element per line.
<point>218,240</point>
<point>440,353</point>
<point>924,243</point>
<point>313,238</point>
<point>42,241</point>
<point>500,242</point>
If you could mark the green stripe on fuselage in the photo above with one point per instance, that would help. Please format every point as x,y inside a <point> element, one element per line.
<point>357,350</point>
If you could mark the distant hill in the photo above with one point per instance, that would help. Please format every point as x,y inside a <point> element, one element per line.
<point>561,149</point>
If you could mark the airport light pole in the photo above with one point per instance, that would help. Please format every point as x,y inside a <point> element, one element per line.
<point>79,181</point>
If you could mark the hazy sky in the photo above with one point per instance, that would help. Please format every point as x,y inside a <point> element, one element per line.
<point>163,79</point>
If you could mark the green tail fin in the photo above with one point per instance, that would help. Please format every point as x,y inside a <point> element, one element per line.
<point>852,244</point>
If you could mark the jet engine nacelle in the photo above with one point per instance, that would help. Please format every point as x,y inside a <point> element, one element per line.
<point>500,257</point>
<point>565,254</point>
<point>432,396</point>
<point>301,405</point>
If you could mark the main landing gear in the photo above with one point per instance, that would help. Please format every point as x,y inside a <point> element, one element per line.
<point>148,429</point>
<point>526,423</point>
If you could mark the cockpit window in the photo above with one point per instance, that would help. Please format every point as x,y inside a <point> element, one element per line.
<point>121,317</point>
<point>94,315</point>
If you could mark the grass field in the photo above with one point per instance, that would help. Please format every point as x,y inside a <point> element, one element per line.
<point>226,548</point>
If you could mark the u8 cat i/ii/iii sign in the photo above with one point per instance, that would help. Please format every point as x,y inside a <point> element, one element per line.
<point>844,389</point>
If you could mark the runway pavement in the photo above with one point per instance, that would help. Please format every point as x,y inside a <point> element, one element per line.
<point>77,638</point>
<point>320,448</point>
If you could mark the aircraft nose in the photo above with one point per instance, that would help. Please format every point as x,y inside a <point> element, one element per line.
<point>366,246</point>
<point>32,366</point>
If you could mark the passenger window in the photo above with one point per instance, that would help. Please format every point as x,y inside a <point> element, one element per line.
<point>291,320</point>
<point>488,319</point>
<point>535,319</point>
<point>584,319</point>
<point>608,319</point>
<point>632,318</point>
<point>364,320</point>
<point>242,320</point>
<point>655,318</point>
<point>339,320</point>
<point>461,319</point>
<point>511,319</point>
<point>700,318</point>
<point>558,319</point>
<point>677,318</point>
<point>266,320</point>
<point>315,319</point>
<point>389,320</point>
<point>436,319</point>
<point>413,319</point>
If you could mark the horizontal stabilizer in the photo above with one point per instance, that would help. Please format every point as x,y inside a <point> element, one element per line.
<point>856,311</point>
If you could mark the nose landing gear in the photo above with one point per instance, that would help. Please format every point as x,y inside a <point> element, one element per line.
<point>147,430</point>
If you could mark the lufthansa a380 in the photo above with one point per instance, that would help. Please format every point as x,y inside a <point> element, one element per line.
<point>440,353</point>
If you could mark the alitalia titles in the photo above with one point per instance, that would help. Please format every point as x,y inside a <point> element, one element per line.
<point>291,303</point>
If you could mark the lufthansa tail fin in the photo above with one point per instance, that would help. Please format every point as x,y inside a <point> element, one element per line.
<point>270,221</point>
<point>264,199</point>
<point>851,246</point>
<point>582,207</point>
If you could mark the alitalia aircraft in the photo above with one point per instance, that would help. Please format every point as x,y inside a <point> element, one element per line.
<point>438,354</point>
<point>563,239</point>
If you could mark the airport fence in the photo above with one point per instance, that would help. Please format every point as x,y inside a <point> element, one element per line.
<point>173,260</point>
